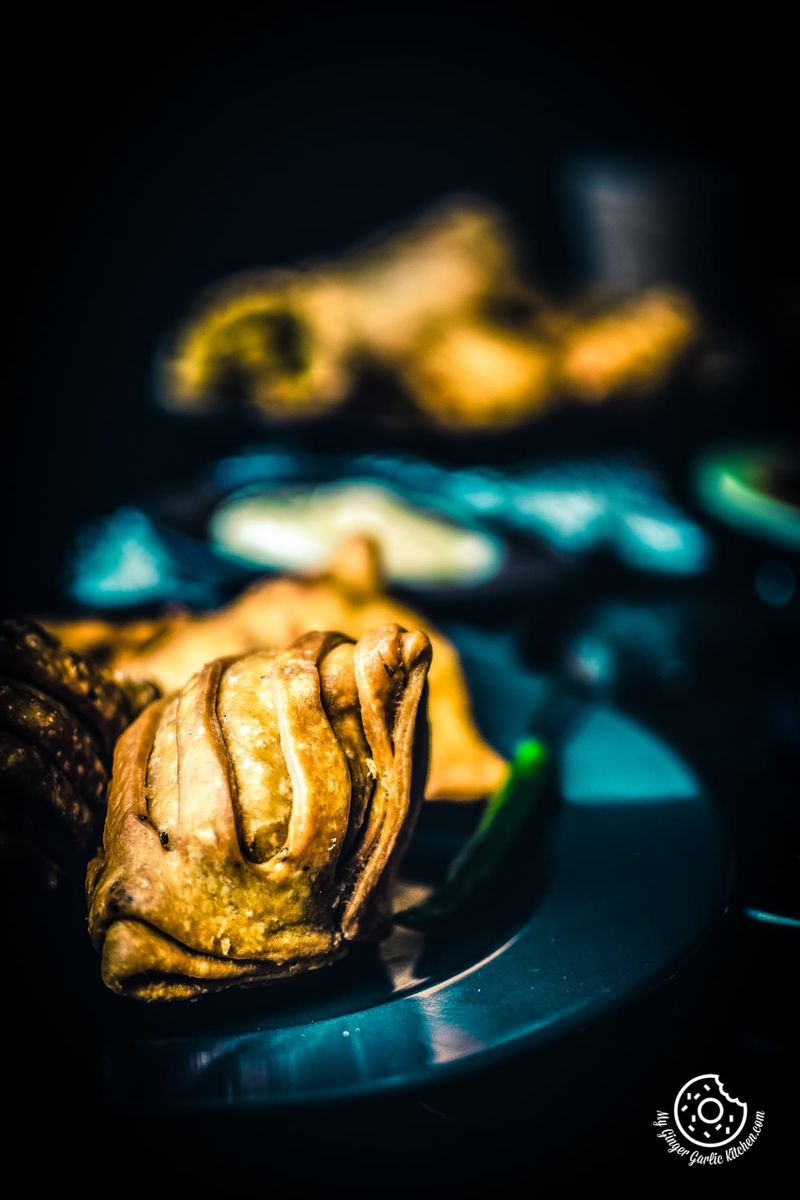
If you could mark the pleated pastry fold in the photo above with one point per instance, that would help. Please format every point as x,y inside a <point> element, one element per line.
<point>256,817</point>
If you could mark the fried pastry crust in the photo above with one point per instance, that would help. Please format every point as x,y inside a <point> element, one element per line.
<point>288,343</point>
<point>60,717</point>
<point>628,348</point>
<point>349,596</point>
<point>256,818</point>
<point>474,374</point>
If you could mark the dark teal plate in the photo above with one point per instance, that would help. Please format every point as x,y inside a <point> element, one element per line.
<point>630,877</point>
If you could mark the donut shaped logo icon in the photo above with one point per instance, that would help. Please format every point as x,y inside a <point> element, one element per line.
<point>706,1115</point>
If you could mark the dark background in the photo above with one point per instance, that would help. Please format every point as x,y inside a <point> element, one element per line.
<point>149,155</point>
<point>152,155</point>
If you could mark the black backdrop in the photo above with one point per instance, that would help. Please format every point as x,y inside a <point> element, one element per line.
<point>151,153</point>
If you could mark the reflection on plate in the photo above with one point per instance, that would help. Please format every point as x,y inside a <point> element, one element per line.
<point>632,873</point>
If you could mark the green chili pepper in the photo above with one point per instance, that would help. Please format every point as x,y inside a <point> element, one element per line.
<point>502,819</point>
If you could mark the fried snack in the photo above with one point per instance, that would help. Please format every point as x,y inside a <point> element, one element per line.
<point>441,268</point>
<point>60,717</point>
<point>103,640</point>
<point>627,349</point>
<point>441,303</point>
<point>279,341</point>
<point>474,374</point>
<point>349,596</point>
<point>256,817</point>
<point>287,342</point>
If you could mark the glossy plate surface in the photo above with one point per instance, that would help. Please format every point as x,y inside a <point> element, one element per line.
<point>632,872</point>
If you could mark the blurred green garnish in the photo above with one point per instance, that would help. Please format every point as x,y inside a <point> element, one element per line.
<point>503,817</point>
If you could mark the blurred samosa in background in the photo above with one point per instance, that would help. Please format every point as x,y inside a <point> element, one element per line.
<point>442,306</point>
<point>349,596</point>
